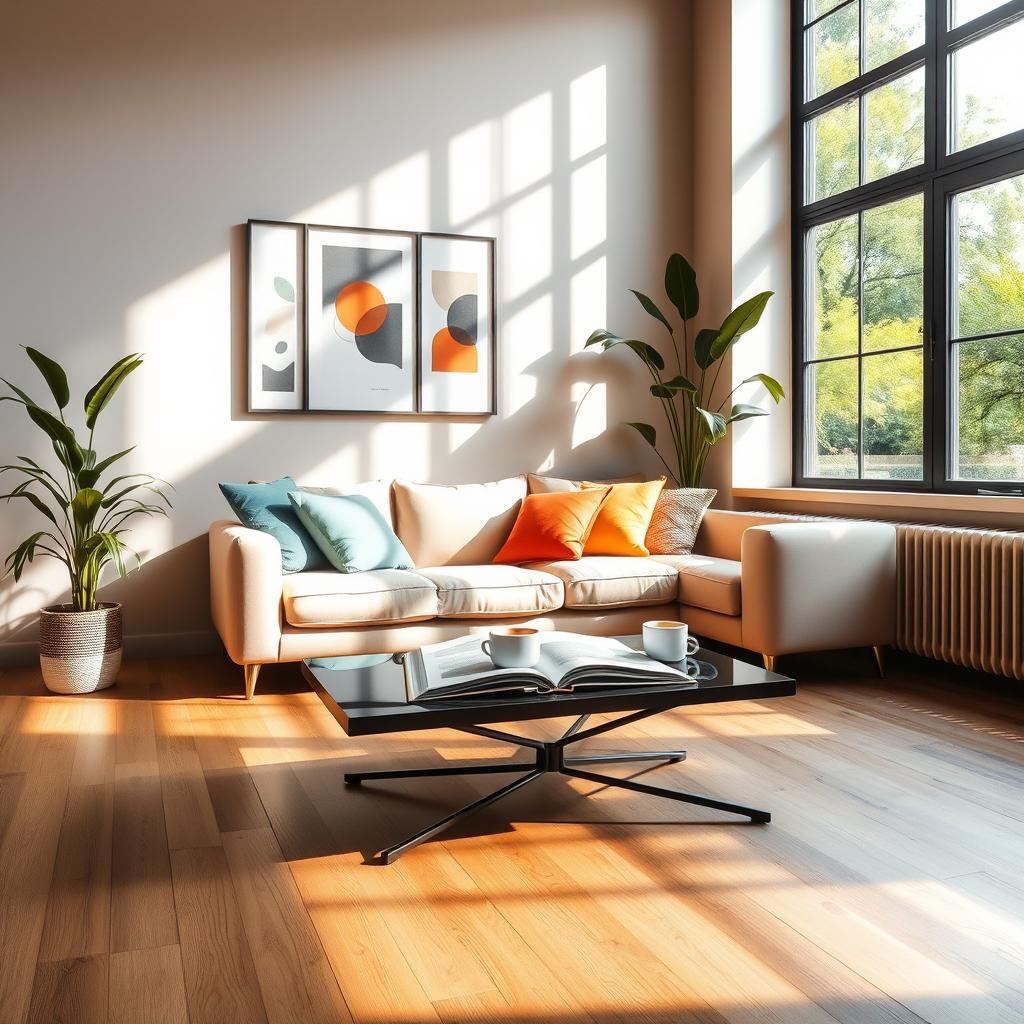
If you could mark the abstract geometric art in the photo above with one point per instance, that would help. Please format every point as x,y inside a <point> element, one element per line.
<point>456,326</point>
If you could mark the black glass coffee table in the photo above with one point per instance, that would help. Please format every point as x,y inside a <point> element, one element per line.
<point>367,696</point>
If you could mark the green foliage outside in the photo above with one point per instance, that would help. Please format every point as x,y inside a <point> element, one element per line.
<point>884,298</point>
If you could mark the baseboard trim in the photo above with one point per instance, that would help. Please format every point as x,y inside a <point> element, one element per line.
<point>139,645</point>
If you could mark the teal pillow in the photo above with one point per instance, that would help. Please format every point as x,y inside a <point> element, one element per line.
<point>266,507</point>
<point>350,531</point>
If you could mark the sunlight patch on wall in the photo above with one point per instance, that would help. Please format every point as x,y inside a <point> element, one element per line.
<point>588,120</point>
<point>472,172</point>
<point>527,340</point>
<point>402,447</point>
<point>588,207</point>
<point>588,302</point>
<point>590,419</point>
<point>526,144</point>
<point>526,243</point>
<point>345,207</point>
<point>400,194</point>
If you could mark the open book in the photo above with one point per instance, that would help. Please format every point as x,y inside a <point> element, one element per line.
<point>568,662</point>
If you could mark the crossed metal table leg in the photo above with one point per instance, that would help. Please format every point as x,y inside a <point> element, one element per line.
<point>550,758</point>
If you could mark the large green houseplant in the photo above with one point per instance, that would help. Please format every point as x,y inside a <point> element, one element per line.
<point>695,420</point>
<point>87,510</point>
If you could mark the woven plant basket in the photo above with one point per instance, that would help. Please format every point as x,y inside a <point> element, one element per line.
<point>79,652</point>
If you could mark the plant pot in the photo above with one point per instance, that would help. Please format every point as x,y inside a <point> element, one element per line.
<point>79,652</point>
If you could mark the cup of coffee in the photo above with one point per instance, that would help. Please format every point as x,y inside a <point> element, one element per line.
<point>513,646</point>
<point>665,640</point>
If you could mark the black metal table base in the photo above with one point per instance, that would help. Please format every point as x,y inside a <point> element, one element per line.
<point>550,758</point>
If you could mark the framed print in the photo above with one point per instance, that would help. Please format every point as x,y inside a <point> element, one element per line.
<point>360,320</point>
<point>456,336</point>
<point>276,291</point>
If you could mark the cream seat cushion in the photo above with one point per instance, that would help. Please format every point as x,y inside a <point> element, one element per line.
<point>377,597</point>
<point>707,582</point>
<point>464,524</point>
<point>482,591</point>
<point>608,581</point>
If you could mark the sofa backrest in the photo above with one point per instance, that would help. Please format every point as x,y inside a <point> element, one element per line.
<point>378,491</point>
<point>460,524</point>
<point>721,531</point>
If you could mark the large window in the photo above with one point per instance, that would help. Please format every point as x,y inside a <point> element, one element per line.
<point>908,195</point>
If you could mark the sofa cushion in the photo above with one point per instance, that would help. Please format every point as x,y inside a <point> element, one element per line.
<point>609,581</point>
<point>552,526</point>
<point>482,591</point>
<point>377,597</point>
<point>537,484</point>
<point>707,582</point>
<point>378,491</point>
<point>676,519</point>
<point>464,524</point>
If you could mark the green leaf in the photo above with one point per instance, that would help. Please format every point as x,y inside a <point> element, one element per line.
<point>34,499</point>
<point>284,288</point>
<point>681,286</point>
<point>646,431</point>
<point>773,387</point>
<point>105,388</point>
<point>681,383</point>
<point>744,317</point>
<point>21,394</point>
<point>703,346</point>
<point>714,425</point>
<point>745,412</point>
<point>54,375</point>
<point>58,432</point>
<point>84,506</point>
<point>648,353</point>
<point>652,309</point>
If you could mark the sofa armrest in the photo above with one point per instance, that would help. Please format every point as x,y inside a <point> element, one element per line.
<point>818,586</point>
<point>245,592</point>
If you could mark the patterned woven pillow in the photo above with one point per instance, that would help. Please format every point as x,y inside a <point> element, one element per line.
<point>676,519</point>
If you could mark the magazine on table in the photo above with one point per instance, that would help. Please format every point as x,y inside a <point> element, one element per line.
<point>568,662</point>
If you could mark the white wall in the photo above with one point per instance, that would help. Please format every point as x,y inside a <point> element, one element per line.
<point>138,138</point>
<point>761,234</point>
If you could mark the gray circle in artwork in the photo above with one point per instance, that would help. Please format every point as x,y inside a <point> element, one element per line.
<point>462,320</point>
<point>281,347</point>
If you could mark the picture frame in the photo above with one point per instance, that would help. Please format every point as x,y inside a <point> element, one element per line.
<point>457,346</point>
<point>276,316</point>
<point>361,320</point>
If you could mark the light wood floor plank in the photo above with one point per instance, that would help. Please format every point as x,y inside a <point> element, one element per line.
<point>147,987</point>
<point>71,991</point>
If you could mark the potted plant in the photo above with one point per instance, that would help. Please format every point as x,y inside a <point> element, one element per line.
<point>86,518</point>
<point>694,421</point>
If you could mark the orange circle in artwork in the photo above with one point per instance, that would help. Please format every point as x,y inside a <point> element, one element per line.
<point>361,306</point>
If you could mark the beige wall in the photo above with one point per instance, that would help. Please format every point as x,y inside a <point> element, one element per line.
<point>138,138</point>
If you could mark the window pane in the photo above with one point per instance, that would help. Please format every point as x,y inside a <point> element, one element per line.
<point>894,416</point>
<point>816,8</point>
<point>988,442</point>
<point>832,394</point>
<point>988,87</point>
<point>892,27</point>
<point>894,126</point>
<point>833,50</point>
<point>894,275</point>
<point>968,10</point>
<point>833,150</point>
<point>833,255</point>
<point>988,240</point>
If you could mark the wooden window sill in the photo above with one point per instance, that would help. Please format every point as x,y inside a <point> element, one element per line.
<point>1008,504</point>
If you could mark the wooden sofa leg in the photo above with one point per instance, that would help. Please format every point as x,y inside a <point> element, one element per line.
<point>769,662</point>
<point>879,653</point>
<point>251,675</point>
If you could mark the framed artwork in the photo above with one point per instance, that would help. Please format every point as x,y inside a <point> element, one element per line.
<point>456,345</point>
<point>276,295</point>
<point>360,320</point>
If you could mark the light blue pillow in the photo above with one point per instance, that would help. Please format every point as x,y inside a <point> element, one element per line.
<point>266,507</point>
<point>351,532</point>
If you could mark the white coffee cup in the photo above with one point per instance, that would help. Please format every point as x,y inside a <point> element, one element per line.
<point>665,640</point>
<point>513,646</point>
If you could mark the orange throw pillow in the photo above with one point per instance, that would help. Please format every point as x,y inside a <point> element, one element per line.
<point>622,522</point>
<point>552,526</point>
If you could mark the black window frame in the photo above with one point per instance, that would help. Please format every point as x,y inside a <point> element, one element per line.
<point>938,178</point>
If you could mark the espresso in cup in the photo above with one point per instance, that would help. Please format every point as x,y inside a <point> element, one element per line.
<point>665,640</point>
<point>513,646</point>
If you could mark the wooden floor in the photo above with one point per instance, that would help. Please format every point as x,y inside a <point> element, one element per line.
<point>170,853</point>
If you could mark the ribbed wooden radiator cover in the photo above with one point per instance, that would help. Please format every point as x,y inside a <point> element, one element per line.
<point>961,596</point>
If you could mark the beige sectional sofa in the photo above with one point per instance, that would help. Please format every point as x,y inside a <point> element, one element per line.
<point>772,584</point>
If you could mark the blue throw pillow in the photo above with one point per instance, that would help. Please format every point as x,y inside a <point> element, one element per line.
<point>266,507</point>
<point>350,531</point>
